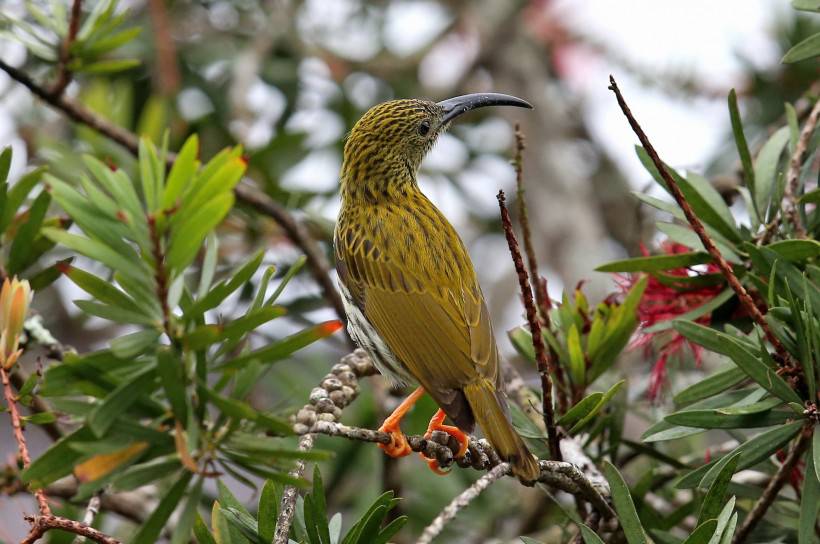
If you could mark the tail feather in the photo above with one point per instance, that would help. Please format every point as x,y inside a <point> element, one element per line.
<point>489,408</point>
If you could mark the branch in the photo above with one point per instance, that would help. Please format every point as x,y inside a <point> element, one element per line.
<point>697,226</point>
<point>535,329</point>
<point>298,234</point>
<point>20,438</point>
<point>466,497</point>
<point>793,173</point>
<point>338,389</point>
<point>63,73</point>
<point>773,487</point>
<point>44,523</point>
<point>539,285</point>
<point>91,512</point>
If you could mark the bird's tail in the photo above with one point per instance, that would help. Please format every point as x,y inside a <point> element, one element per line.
<point>489,409</point>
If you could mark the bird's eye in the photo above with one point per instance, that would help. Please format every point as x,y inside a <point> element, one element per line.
<point>424,128</point>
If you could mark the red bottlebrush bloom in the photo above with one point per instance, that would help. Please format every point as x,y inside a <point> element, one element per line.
<point>663,301</point>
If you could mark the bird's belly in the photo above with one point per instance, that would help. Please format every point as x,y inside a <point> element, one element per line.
<point>369,339</point>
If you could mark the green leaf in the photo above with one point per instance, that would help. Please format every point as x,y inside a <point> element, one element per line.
<point>715,498</point>
<point>740,143</point>
<point>709,206</point>
<point>622,501</point>
<point>101,290</point>
<point>292,271</point>
<point>708,307</point>
<point>223,289</point>
<point>796,250</point>
<point>806,5</point>
<point>269,509</point>
<point>148,173</point>
<point>656,262</point>
<point>23,243</point>
<point>115,313</point>
<point>182,172</point>
<point>577,364</point>
<point>172,377</point>
<point>108,66</point>
<point>589,535</point>
<point>149,531</point>
<point>717,419</point>
<point>807,49</point>
<point>135,343</point>
<point>815,449</point>
<point>17,194</point>
<point>201,532</point>
<point>744,359</point>
<point>582,408</point>
<point>683,234</point>
<point>99,252</point>
<point>766,168</point>
<point>115,404</point>
<point>187,519</point>
<point>718,382</point>
<point>187,238</point>
<point>286,346</point>
<point>598,407</point>
<point>810,500</point>
<point>703,533</point>
<point>5,163</point>
<point>146,473</point>
<point>752,451</point>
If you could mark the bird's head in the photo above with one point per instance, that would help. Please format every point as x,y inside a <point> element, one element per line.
<point>386,146</point>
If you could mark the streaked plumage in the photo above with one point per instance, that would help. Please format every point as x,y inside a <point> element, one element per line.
<point>411,293</point>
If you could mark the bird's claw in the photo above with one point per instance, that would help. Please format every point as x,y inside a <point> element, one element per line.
<point>398,446</point>
<point>437,424</point>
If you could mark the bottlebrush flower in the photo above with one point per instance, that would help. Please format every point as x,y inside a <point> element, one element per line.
<point>663,301</point>
<point>15,298</point>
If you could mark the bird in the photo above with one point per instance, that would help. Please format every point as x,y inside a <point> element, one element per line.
<point>409,287</point>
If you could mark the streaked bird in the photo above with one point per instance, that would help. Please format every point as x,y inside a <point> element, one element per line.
<point>410,290</point>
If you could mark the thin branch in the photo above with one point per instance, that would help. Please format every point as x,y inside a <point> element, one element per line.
<point>63,72</point>
<point>746,300</point>
<point>296,231</point>
<point>167,69</point>
<point>40,525</point>
<point>337,389</point>
<point>793,173</point>
<point>535,329</point>
<point>287,507</point>
<point>91,512</point>
<point>20,438</point>
<point>773,487</point>
<point>466,497</point>
<point>539,286</point>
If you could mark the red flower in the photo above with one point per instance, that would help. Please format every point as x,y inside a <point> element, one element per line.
<point>663,301</point>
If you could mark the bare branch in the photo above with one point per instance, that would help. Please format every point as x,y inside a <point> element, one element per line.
<point>287,507</point>
<point>91,512</point>
<point>539,286</point>
<point>20,438</point>
<point>535,329</point>
<point>793,173</point>
<point>746,300</point>
<point>40,525</point>
<point>466,497</point>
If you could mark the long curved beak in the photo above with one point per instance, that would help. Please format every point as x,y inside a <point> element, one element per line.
<point>453,107</point>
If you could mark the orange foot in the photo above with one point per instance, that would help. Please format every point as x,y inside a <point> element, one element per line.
<point>398,446</point>
<point>437,424</point>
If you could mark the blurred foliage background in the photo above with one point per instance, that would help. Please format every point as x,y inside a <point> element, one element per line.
<point>286,80</point>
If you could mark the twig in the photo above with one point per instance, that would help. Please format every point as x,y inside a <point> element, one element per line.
<point>287,507</point>
<point>167,69</point>
<point>298,234</point>
<point>793,173</point>
<point>697,226</point>
<point>535,329</point>
<point>91,512</point>
<point>20,438</point>
<point>466,497</point>
<point>480,456</point>
<point>773,487</point>
<point>63,72</point>
<point>539,286</point>
<point>336,390</point>
<point>44,523</point>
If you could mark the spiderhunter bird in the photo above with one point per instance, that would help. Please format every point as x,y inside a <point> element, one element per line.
<point>410,291</point>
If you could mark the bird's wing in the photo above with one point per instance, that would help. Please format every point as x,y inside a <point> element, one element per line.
<point>433,320</point>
